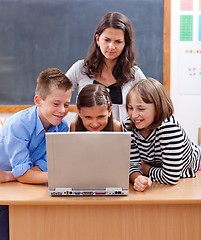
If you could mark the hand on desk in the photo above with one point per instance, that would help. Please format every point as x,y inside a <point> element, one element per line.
<point>141,183</point>
<point>6,176</point>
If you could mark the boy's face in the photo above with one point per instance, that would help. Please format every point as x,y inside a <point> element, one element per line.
<point>54,108</point>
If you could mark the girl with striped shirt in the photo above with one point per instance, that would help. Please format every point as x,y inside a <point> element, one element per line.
<point>161,151</point>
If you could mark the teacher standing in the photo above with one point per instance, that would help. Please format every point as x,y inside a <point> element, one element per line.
<point>110,61</point>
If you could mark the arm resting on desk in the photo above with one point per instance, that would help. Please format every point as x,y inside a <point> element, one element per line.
<point>6,176</point>
<point>34,176</point>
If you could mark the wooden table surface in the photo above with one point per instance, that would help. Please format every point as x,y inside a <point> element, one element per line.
<point>162,212</point>
<point>186,191</point>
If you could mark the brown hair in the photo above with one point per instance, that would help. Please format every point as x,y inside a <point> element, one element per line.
<point>93,95</point>
<point>152,91</point>
<point>123,71</point>
<point>49,79</point>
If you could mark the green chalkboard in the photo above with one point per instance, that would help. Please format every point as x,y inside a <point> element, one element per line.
<point>37,34</point>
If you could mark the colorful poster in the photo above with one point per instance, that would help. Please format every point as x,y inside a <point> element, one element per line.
<point>186,5</point>
<point>190,69</point>
<point>186,45</point>
<point>186,28</point>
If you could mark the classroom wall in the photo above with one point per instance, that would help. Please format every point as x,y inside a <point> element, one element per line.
<point>187,104</point>
<point>35,35</point>
<point>185,64</point>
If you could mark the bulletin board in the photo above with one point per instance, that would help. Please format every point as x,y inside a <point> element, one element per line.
<point>187,38</point>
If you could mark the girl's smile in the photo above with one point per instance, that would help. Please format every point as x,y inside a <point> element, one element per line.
<point>142,114</point>
<point>94,118</point>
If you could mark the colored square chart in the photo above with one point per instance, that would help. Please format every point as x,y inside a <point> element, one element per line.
<point>186,5</point>
<point>186,28</point>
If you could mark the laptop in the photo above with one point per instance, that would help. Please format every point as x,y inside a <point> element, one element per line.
<point>88,163</point>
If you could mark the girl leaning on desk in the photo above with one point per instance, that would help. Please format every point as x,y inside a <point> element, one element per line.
<point>161,151</point>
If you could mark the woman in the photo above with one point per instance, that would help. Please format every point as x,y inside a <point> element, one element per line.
<point>110,61</point>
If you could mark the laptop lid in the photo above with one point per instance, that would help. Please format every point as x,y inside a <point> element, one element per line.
<point>88,163</point>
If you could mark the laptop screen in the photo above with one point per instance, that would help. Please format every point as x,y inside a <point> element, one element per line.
<point>88,163</point>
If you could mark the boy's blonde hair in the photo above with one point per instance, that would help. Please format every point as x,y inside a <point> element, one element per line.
<point>152,91</point>
<point>49,79</point>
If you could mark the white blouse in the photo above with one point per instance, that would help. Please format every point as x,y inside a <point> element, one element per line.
<point>80,80</point>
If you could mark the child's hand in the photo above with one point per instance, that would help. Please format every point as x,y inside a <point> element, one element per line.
<point>6,176</point>
<point>2,176</point>
<point>141,182</point>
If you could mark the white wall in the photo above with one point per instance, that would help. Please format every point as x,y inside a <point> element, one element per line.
<point>186,98</point>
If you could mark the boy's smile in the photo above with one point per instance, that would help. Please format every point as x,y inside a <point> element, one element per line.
<point>54,108</point>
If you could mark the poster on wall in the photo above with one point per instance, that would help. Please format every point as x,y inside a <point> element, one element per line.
<point>188,39</point>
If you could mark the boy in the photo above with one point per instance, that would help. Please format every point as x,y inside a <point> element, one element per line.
<point>22,137</point>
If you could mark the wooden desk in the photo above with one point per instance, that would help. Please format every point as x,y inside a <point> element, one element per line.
<point>160,213</point>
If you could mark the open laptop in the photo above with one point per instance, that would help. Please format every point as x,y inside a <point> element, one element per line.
<point>88,163</point>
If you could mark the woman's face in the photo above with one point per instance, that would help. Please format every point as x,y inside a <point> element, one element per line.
<point>95,118</point>
<point>111,43</point>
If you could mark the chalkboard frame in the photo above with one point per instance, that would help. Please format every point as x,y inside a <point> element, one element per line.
<point>166,61</point>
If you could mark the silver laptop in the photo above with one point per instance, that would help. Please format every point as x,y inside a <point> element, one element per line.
<point>88,163</point>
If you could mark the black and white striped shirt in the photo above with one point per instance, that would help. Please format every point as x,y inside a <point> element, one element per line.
<point>167,149</point>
